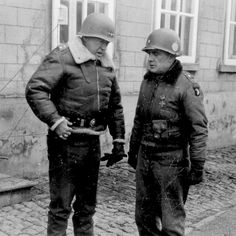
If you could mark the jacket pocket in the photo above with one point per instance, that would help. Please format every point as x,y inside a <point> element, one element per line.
<point>160,129</point>
<point>164,131</point>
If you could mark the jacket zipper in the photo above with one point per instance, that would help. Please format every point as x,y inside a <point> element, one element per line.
<point>98,89</point>
<point>153,96</point>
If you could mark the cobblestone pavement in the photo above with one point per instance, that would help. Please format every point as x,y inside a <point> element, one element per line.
<point>116,194</point>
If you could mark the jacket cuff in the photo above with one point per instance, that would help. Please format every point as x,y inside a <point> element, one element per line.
<point>119,140</point>
<point>57,123</point>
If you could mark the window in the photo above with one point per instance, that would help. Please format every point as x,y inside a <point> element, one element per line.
<point>68,15</point>
<point>181,16</point>
<point>230,34</point>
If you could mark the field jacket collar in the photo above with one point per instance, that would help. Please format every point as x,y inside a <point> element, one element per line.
<point>81,54</point>
<point>170,76</point>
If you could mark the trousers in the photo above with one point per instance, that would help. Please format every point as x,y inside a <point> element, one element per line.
<point>161,192</point>
<point>73,177</point>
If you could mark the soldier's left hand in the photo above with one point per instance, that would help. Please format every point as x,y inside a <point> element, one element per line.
<point>118,153</point>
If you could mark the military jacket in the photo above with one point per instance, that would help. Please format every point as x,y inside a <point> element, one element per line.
<point>71,83</point>
<point>170,114</point>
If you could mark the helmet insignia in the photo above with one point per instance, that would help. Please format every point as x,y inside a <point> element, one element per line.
<point>175,47</point>
<point>92,123</point>
<point>197,91</point>
<point>111,34</point>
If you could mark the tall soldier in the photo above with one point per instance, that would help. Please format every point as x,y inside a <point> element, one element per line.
<point>168,140</point>
<point>75,92</point>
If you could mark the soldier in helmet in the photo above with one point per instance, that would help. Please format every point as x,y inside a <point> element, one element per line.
<point>168,139</point>
<point>75,92</point>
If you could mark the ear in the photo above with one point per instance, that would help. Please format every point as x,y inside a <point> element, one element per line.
<point>171,58</point>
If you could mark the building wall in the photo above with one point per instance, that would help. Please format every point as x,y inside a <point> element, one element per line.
<point>25,38</point>
<point>133,24</point>
<point>219,87</point>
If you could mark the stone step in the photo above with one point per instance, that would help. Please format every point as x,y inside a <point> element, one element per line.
<point>14,190</point>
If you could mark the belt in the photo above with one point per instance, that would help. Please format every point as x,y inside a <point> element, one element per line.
<point>90,126</point>
<point>83,123</point>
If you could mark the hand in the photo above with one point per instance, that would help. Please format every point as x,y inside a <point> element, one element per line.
<point>132,160</point>
<point>117,154</point>
<point>195,176</point>
<point>63,130</point>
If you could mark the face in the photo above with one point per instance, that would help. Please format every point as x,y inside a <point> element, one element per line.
<point>96,46</point>
<point>159,61</point>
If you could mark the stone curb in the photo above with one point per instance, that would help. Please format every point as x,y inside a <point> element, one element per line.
<point>202,223</point>
<point>209,219</point>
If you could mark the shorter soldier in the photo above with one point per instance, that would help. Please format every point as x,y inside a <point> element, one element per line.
<point>168,139</point>
<point>75,92</point>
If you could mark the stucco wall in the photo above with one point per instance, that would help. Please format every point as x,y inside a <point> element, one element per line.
<point>219,87</point>
<point>221,112</point>
<point>22,142</point>
<point>24,40</point>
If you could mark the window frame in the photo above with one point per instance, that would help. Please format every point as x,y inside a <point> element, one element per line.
<point>228,22</point>
<point>72,18</point>
<point>178,13</point>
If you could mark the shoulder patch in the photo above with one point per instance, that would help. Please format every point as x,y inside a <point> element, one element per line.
<point>196,91</point>
<point>195,85</point>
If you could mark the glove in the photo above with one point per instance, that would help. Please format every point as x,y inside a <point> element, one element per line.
<point>132,159</point>
<point>195,176</point>
<point>117,154</point>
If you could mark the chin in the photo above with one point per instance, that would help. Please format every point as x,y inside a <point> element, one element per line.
<point>99,55</point>
<point>153,70</point>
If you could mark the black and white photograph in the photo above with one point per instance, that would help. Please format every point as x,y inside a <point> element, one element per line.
<point>117,117</point>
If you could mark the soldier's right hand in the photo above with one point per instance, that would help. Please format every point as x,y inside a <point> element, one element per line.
<point>63,130</point>
<point>195,176</point>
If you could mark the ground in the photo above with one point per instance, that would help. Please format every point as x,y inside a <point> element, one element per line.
<point>116,197</point>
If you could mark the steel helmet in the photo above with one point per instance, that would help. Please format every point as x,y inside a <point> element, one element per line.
<point>164,39</point>
<point>98,25</point>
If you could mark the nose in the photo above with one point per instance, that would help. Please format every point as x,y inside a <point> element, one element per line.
<point>151,57</point>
